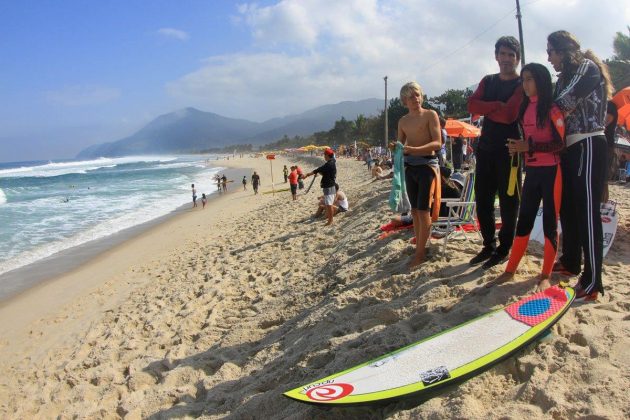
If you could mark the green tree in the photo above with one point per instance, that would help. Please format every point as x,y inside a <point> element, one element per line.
<point>619,64</point>
<point>361,127</point>
<point>453,102</point>
<point>342,131</point>
<point>621,45</point>
<point>321,138</point>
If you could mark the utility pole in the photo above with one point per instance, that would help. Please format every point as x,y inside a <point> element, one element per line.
<point>386,123</point>
<point>520,32</point>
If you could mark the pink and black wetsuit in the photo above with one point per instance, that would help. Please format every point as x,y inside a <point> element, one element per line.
<point>542,182</point>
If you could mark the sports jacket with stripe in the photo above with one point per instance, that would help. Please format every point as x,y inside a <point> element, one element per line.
<point>583,100</point>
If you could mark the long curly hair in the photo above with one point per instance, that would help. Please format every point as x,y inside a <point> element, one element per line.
<point>567,44</point>
<point>544,89</point>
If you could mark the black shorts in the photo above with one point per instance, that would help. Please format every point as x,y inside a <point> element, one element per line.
<point>294,188</point>
<point>419,180</point>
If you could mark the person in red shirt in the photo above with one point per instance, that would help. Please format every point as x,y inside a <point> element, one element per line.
<point>293,181</point>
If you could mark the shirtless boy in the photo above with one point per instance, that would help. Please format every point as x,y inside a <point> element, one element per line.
<point>419,132</point>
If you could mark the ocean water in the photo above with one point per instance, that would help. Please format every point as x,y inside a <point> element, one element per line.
<point>47,207</point>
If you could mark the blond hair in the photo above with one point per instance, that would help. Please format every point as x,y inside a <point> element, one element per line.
<point>408,89</point>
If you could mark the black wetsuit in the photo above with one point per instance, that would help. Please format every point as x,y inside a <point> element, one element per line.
<point>492,171</point>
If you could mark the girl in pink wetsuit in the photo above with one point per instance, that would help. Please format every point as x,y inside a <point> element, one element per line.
<point>542,124</point>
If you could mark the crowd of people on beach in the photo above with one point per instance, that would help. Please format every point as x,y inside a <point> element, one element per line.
<point>556,134</point>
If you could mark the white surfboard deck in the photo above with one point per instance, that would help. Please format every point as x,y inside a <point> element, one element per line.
<point>610,219</point>
<point>452,355</point>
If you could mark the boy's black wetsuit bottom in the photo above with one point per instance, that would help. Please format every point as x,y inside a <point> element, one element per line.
<point>583,176</point>
<point>492,176</point>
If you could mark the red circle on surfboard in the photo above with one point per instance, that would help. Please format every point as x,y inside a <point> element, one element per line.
<point>329,392</point>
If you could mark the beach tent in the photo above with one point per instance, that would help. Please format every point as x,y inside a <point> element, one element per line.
<point>622,100</point>
<point>455,127</point>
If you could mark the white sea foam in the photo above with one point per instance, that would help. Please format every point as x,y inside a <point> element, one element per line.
<point>101,230</point>
<point>80,167</point>
<point>95,215</point>
<point>3,197</point>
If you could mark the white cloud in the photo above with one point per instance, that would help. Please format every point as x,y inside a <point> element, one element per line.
<point>81,95</point>
<point>310,52</point>
<point>173,33</point>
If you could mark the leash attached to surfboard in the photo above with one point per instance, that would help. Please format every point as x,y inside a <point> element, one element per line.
<point>311,184</point>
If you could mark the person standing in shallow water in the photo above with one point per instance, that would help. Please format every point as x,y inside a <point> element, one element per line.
<point>498,98</point>
<point>582,93</point>
<point>194,195</point>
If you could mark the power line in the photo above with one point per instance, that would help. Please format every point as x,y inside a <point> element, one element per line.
<point>472,40</point>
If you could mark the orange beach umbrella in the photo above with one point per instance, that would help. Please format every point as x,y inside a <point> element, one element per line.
<point>622,100</point>
<point>455,127</point>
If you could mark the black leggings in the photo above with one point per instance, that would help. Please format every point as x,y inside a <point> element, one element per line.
<point>492,176</point>
<point>583,177</point>
<point>541,183</point>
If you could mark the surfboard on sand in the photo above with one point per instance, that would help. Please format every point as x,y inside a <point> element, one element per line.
<point>280,190</point>
<point>442,359</point>
<point>610,220</point>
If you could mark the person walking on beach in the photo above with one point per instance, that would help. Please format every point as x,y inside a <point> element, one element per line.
<point>543,129</point>
<point>328,172</point>
<point>244,183</point>
<point>498,98</point>
<point>419,133</point>
<point>204,200</point>
<point>224,183</point>
<point>582,92</point>
<point>194,195</point>
<point>293,182</point>
<point>256,182</point>
<point>285,172</point>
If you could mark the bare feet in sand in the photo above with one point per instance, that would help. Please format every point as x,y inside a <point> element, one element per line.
<point>543,283</point>
<point>416,261</point>
<point>501,279</point>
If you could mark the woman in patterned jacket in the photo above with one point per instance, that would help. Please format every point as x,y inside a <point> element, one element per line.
<point>581,93</point>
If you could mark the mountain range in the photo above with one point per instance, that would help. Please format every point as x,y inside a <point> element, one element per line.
<point>191,130</point>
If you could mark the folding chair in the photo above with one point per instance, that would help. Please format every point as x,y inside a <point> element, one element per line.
<point>461,214</point>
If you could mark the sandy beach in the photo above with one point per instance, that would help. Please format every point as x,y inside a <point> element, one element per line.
<point>215,313</point>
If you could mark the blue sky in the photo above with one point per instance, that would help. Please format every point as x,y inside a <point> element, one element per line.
<point>75,73</point>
